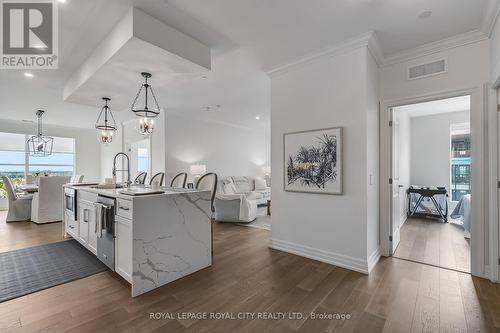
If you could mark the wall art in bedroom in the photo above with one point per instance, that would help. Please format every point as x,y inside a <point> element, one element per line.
<point>313,161</point>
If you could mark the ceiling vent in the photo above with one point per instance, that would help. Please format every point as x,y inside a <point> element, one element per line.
<point>426,70</point>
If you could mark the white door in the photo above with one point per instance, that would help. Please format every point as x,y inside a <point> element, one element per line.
<point>396,189</point>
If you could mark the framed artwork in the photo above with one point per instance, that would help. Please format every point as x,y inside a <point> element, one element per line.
<point>313,161</point>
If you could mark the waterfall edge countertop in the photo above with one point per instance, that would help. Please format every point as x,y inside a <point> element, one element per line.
<point>159,237</point>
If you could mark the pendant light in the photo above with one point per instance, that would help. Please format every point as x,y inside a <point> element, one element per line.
<point>40,145</point>
<point>145,106</point>
<point>105,124</point>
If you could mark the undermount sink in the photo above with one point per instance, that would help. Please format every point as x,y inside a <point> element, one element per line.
<point>107,186</point>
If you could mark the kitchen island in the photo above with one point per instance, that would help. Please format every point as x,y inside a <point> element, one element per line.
<point>158,238</point>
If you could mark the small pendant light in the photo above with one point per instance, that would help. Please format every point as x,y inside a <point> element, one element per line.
<point>145,106</point>
<point>105,124</point>
<point>40,145</point>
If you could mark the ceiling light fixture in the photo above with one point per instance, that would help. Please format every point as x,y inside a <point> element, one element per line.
<point>425,15</point>
<point>150,110</point>
<point>257,117</point>
<point>28,74</point>
<point>40,145</point>
<point>62,1</point>
<point>211,107</point>
<point>105,124</point>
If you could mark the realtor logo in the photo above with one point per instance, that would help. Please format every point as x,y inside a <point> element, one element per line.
<point>29,34</point>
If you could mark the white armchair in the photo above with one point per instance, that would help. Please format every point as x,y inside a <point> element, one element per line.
<point>19,207</point>
<point>233,206</point>
<point>46,206</point>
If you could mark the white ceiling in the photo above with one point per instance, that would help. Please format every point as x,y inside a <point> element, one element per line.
<point>246,37</point>
<point>455,104</point>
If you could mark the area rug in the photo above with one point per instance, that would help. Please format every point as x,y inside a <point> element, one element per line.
<point>36,268</point>
<point>263,221</point>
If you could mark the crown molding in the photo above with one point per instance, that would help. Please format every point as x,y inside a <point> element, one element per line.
<point>370,41</point>
<point>434,47</point>
<point>365,40</point>
<point>376,49</point>
<point>490,16</point>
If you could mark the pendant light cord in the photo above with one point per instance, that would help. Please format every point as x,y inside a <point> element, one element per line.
<point>39,114</point>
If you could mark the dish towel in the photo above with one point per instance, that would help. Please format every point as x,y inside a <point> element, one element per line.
<point>98,219</point>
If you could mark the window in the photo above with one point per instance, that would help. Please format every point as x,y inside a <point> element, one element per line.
<point>142,160</point>
<point>60,163</point>
<point>460,161</point>
<point>16,163</point>
<point>12,158</point>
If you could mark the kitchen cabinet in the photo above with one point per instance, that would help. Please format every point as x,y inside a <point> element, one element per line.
<point>123,247</point>
<point>86,222</point>
<point>71,225</point>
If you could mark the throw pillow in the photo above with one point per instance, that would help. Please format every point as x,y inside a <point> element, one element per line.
<point>260,184</point>
<point>228,187</point>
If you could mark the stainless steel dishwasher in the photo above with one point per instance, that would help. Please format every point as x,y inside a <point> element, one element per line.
<point>106,235</point>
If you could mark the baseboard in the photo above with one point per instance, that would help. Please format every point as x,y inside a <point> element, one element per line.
<point>373,258</point>
<point>336,259</point>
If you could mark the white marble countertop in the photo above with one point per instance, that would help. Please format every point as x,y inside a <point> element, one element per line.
<point>116,192</point>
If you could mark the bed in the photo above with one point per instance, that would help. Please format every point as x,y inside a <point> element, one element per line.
<point>462,212</point>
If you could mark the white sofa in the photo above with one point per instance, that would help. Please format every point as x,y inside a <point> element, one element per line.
<point>251,186</point>
<point>238,197</point>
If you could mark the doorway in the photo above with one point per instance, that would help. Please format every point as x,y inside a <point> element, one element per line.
<point>430,182</point>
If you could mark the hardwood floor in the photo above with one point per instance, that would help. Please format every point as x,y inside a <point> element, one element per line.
<point>20,235</point>
<point>435,243</point>
<point>249,278</point>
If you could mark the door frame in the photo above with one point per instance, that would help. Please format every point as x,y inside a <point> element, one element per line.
<point>479,101</point>
<point>492,99</point>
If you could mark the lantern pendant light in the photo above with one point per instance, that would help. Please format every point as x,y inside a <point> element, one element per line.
<point>105,124</point>
<point>40,145</point>
<point>145,106</point>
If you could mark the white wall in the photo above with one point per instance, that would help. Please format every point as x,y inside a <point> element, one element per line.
<point>495,53</point>
<point>430,148</point>
<point>468,66</point>
<point>226,150</point>
<point>372,157</point>
<point>87,157</point>
<point>328,92</point>
<point>108,152</point>
<point>179,141</point>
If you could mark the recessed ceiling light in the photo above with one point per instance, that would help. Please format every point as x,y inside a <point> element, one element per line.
<point>257,117</point>
<point>211,107</point>
<point>425,15</point>
<point>28,74</point>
